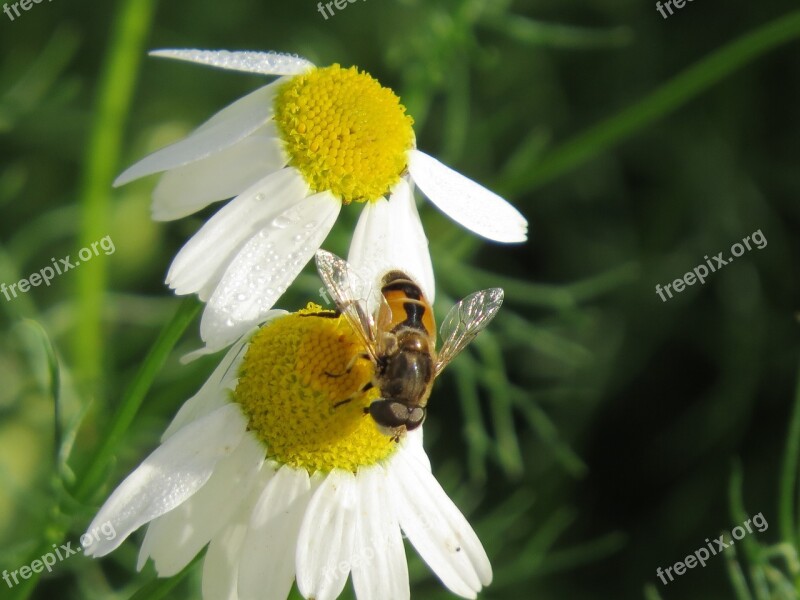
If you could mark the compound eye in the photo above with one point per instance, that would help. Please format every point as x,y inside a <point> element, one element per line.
<point>389,413</point>
<point>415,417</point>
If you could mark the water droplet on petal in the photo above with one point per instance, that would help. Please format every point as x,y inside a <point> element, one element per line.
<point>281,222</point>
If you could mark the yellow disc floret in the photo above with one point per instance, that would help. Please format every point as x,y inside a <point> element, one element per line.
<point>300,385</point>
<point>344,132</point>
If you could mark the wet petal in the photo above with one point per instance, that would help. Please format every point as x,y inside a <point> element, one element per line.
<point>267,264</point>
<point>175,538</point>
<point>266,63</point>
<point>208,254</point>
<point>170,475</point>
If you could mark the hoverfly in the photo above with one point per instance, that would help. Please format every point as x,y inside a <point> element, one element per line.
<point>396,325</point>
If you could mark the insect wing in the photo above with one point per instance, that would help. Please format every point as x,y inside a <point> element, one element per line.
<point>466,320</point>
<point>354,297</point>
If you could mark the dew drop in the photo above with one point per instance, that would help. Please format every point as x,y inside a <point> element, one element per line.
<point>281,222</point>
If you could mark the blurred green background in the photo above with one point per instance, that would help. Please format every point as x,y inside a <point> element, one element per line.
<point>595,433</point>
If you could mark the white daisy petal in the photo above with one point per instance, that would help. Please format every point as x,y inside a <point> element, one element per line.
<point>185,190</point>
<point>414,449</point>
<point>267,564</point>
<point>389,236</point>
<point>379,562</point>
<point>213,394</point>
<point>437,529</point>
<point>170,475</point>
<point>410,244</point>
<point>176,537</point>
<point>208,253</point>
<point>466,202</point>
<point>369,248</point>
<point>224,129</point>
<point>266,63</point>
<point>265,267</point>
<point>221,563</point>
<point>325,543</point>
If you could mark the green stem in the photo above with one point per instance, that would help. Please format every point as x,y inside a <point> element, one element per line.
<point>134,396</point>
<point>667,98</point>
<point>112,104</point>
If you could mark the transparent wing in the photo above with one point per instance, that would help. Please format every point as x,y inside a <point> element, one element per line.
<point>466,320</point>
<point>357,299</point>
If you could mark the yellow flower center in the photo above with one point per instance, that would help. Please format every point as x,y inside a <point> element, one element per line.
<point>301,390</point>
<point>344,132</point>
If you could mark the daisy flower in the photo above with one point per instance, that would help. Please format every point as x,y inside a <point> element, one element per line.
<point>291,154</point>
<point>274,465</point>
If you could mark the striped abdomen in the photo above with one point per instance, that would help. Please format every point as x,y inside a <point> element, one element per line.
<point>408,305</point>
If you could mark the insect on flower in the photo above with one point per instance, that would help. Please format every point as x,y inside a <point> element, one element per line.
<point>400,339</point>
<point>283,486</point>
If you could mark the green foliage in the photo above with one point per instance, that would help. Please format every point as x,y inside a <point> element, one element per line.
<point>589,434</point>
